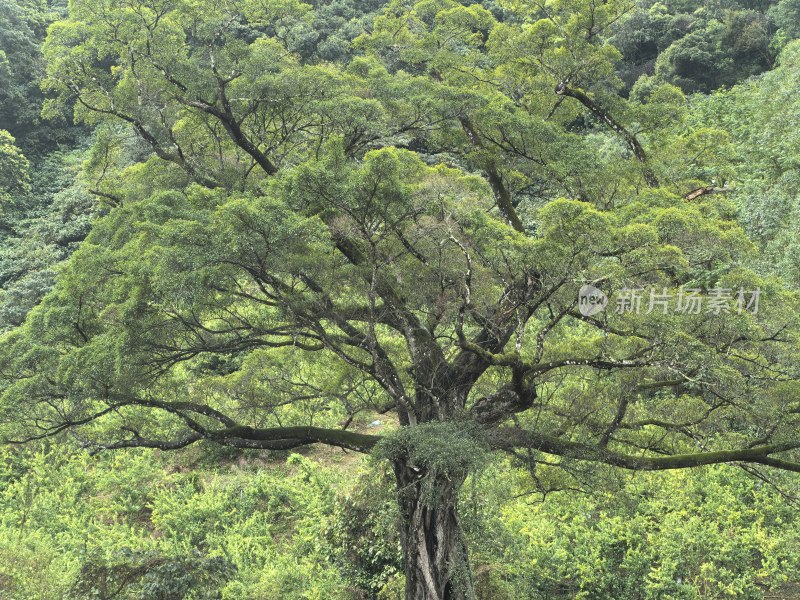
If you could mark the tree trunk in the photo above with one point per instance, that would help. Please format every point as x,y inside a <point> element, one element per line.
<point>434,549</point>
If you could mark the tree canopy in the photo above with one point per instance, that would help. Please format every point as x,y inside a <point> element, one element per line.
<point>296,230</point>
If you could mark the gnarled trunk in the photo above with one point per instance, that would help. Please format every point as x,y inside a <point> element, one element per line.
<point>434,549</point>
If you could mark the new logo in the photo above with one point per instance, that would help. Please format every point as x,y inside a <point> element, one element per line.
<point>591,301</point>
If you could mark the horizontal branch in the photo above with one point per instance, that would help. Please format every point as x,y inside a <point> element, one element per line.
<point>509,438</point>
<point>360,442</point>
<point>278,438</point>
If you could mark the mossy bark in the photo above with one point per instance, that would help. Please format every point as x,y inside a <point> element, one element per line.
<point>434,549</point>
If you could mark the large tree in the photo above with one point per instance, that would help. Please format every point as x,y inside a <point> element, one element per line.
<point>290,244</point>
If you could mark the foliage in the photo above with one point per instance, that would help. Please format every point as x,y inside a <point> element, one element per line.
<point>362,533</point>
<point>23,26</point>
<point>42,225</point>
<point>75,525</point>
<point>14,176</point>
<point>150,576</point>
<point>759,116</point>
<point>82,527</point>
<point>312,214</point>
<point>451,449</point>
<point>715,533</point>
<point>701,46</point>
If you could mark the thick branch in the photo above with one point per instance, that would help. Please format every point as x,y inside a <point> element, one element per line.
<point>501,193</point>
<point>508,439</point>
<point>141,130</point>
<point>508,400</point>
<point>279,438</point>
<point>633,143</point>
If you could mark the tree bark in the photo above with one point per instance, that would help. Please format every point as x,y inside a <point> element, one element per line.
<point>434,549</point>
